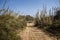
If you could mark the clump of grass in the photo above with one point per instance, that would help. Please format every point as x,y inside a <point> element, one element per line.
<point>9,25</point>
<point>49,23</point>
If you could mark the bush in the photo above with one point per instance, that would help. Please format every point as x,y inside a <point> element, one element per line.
<point>9,25</point>
<point>50,23</point>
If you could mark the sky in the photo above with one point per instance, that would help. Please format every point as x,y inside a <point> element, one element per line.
<point>29,7</point>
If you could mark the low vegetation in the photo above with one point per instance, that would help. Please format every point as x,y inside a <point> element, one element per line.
<point>10,23</point>
<point>50,23</point>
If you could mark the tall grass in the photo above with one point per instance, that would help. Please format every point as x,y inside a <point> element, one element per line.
<point>10,23</point>
<point>49,23</point>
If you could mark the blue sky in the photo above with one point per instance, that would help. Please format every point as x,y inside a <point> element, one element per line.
<point>29,7</point>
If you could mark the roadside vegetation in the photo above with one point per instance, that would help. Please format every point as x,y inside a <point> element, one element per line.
<point>51,23</point>
<point>10,23</point>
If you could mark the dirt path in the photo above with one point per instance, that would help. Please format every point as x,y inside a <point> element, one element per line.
<point>32,33</point>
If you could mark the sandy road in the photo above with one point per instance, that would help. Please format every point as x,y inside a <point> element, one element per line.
<point>32,33</point>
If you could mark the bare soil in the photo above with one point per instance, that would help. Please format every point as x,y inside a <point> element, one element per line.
<point>33,33</point>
